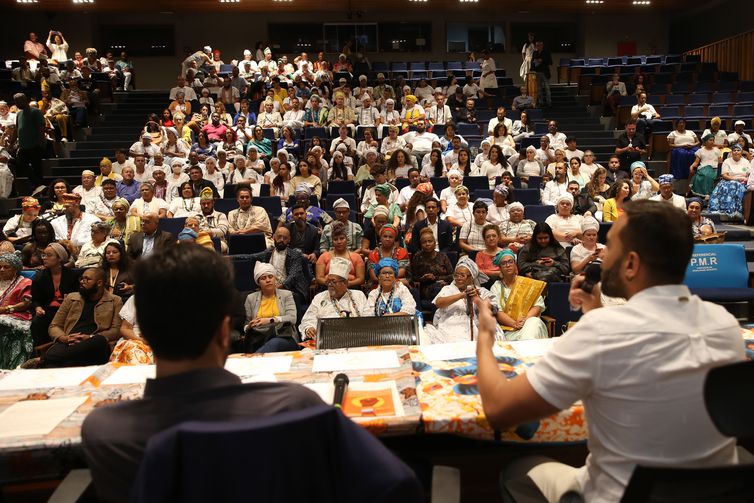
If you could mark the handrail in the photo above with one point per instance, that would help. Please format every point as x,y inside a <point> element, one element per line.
<point>732,54</point>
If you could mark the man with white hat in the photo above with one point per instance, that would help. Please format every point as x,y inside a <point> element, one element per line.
<point>197,59</point>
<point>666,192</point>
<point>439,114</point>
<point>366,114</point>
<point>144,147</point>
<point>337,302</point>
<point>87,190</point>
<point>382,91</point>
<point>738,132</point>
<point>354,232</point>
<point>211,221</point>
<point>268,62</point>
<point>247,59</point>
<point>363,89</point>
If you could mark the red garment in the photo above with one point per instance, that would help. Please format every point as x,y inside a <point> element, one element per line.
<point>18,291</point>
<point>215,133</point>
<point>484,262</point>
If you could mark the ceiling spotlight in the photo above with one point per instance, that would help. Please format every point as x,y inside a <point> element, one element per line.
<point>418,1</point>
<point>26,1</point>
<point>595,2</point>
<point>641,2</point>
<point>83,1</point>
<point>230,1</point>
<point>469,1</point>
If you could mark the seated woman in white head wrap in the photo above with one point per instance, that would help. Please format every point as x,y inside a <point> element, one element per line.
<point>565,225</point>
<point>452,322</point>
<point>589,249</point>
<point>337,302</point>
<point>270,315</point>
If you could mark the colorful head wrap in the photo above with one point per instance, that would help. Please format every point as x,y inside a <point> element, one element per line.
<point>502,189</point>
<point>666,179</point>
<point>122,202</point>
<point>60,251</point>
<point>388,262</point>
<point>340,203</point>
<point>637,164</point>
<point>693,200</point>
<point>106,162</point>
<point>411,97</point>
<point>736,146</point>
<point>715,120</point>
<point>206,194</point>
<point>708,136</point>
<point>389,228</point>
<point>187,234</point>
<point>505,252</point>
<point>383,189</point>
<point>69,197</point>
<point>425,188</point>
<point>13,259</point>
<point>29,202</point>
<point>204,239</point>
<point>381,210</point>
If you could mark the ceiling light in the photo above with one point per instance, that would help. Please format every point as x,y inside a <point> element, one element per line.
<point>418,1</point>
<point>282,1</point>
<point>26,1</point>
<point>595,2</point>
<point>83,1</point>
<point>230,1</point>
<point>641,2</point>
<point>469,1</point>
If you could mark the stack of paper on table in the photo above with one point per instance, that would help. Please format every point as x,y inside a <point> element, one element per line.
<point>46,378</point>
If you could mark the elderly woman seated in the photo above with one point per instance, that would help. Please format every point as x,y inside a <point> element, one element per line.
<point>429,267</point>
<point>701,226</point>
<point>122,225</point>
<point>270,315</point>
<point>391,297</point>
<point>565,225</point>
<point>728,196</point>
<point>517,231</point>
<point>455,320</point>
<point>589,249</point>
<point>15,316</point>
<point>337,302</point>
<point>93,251</point>
<point>520,300</point>
<point>543,258</point>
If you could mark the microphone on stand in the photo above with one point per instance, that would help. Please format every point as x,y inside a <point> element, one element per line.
<point>341,384</point>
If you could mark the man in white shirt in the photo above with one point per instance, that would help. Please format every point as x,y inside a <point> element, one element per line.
<point>572,150</point>
<point>7,118</point>
<point>498,119</point>
<point>188,91</point>
<point>420,141</point>
<point>74,225</point>
<point>638,368</point>
<point>545,153</point>
<point>666,192</point>
<point>270,119</point>
<point>439,114</point>
<point>87,190</point>
<point>557,139</point>
<point>343,139</point>
<point>367,115</point>
<point>645,115</point>
<point>294,117</point>
<point>738,132</point>
<point>143,147</point>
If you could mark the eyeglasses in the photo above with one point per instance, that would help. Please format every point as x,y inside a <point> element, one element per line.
<point>333,282</point>
<point>461,275</point>
<point>507,262</point>
<point>387,273</point>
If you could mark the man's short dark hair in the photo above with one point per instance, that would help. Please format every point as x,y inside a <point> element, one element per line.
<point>411,170</point>
<point>297,206</point>
<point>661,235</point>
<point>183,294</point>
<point>479,205</point>
<point>573,182</point>
<point>196,166</point>
<point>243,188</point>
<point>631,121</point>
<point>108,181</point>
<point>431,200</point>
<point>569,139</point>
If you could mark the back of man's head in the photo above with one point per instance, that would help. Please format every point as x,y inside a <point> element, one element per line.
<point>662,237</point>
<point>183,294</point>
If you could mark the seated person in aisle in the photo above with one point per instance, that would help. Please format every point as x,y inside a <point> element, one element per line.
<point>452,322</point>
<point>288,264</point>
<point>596,363</point>
<point>336,302</point>
<point>666,192</point>
<point>354,232</point>
<point>74,225</point>
<point>191,383</point>
<point>523,101</point>
<point>248,219</point>
<point>84,326</point>
<point>516,324</point>
<point>304,236</point>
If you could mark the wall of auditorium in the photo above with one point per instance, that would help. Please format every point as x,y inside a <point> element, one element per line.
<point>685,32</point>
<point>231,33</point>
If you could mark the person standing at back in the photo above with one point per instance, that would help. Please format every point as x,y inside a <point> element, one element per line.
<point>190,352</point>
<point>638,368</point>
<point>30,128</point>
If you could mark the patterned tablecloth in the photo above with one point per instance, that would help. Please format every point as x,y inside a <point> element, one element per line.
<point>437,391</point>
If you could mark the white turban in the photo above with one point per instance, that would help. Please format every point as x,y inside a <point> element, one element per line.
<point>246,52</point>
<point>207,49</point>
<point>478,276</point>
<point>340,203</point>
<point>455,172</point>
<point>564,197</point>
<point>590,223</point>
<point>262,269</point>
<point>515,205</point>
<point>340,267</point>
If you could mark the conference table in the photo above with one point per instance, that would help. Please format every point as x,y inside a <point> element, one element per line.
<point>393,391</point>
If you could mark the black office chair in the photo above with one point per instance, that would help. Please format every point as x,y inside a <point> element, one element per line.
<point>336,333</point>
<point>727,396</point>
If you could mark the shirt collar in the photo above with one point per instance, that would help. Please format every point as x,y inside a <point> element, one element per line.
<point>191,381</point>
<point>664,291</point>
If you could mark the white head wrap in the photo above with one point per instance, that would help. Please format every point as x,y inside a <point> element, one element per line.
<point>340,203</point>
<point>478,276</point>
<point>340,267</point>
<point>262,269</point>
<point>564,197</point>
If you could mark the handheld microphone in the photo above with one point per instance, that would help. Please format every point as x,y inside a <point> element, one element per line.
<point>592,276</point>
<point>341,384</point>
